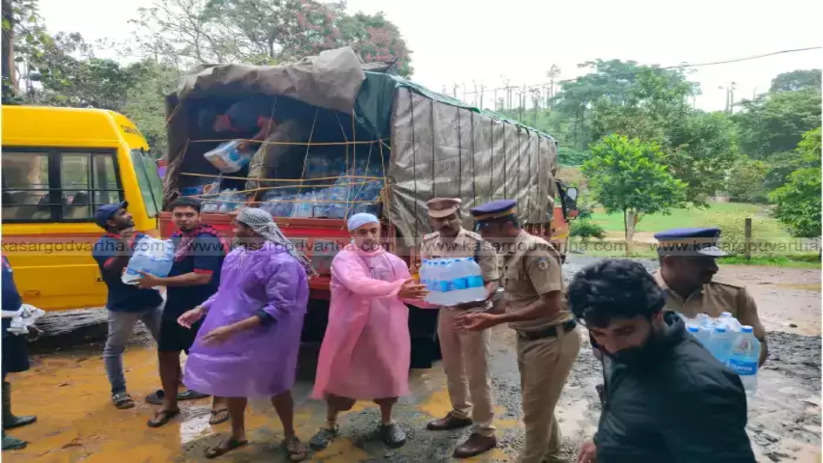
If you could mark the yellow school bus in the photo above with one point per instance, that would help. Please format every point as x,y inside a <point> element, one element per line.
<point>58,166</point>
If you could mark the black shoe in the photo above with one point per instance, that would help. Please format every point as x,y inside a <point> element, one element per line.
<point>17,421</point>
<point>13,443</point>
<point>392,435</point>
<point>321,440</point>
<point>448,422</point>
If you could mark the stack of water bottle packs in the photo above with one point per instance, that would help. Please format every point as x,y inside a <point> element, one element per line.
<point>347,195</point>
<point>151,255</point>
<point>452,281</point>
<point>731,343</point>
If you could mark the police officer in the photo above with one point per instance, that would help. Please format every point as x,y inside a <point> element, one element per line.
<point>534,306</point>
<point>464,352</point>
<point>687,266</point>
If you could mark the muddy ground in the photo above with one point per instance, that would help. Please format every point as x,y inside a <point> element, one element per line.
<point>68,391</point>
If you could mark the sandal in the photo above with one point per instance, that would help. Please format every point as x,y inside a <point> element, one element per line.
<point>219,416</point>
<point>162,417</point>
<point>296,450</point>
<point>122,400</point>
<point>225,446</point>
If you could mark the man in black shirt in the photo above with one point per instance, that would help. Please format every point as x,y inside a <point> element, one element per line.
<point>666,398</point>
<point>194,276</point>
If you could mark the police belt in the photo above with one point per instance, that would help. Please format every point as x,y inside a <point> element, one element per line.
<point>546,332</point>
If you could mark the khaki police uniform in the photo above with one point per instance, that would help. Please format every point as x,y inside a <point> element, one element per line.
<point>546,347</point>
<point>714,298</point>
<point>465,353</point>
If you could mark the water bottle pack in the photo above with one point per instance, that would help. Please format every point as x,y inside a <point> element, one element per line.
<point>731,343</point>
<point>151,255</point>
<point>227,158</point>
<point>452,281</point>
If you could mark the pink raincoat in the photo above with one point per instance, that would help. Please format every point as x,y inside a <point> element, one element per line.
<point>366,348</point>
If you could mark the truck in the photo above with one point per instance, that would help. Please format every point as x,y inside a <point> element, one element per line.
<point>370,141</point>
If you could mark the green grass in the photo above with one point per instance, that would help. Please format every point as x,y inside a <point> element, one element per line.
<point>694,217</point>
<point>772,243</point>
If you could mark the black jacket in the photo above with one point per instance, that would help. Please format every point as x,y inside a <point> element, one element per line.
<point>680,406</point>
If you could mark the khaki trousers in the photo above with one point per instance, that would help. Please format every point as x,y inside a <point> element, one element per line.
<point>465,357</point>
<point>544,367</point>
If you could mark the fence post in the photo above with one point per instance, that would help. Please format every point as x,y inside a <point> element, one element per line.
<point>748,248</point>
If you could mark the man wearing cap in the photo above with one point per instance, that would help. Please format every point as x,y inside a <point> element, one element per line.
<point>126,304</point>
<point>534,306</point>
<point>366,349</point>
<point>464,352</point>
<point>687,266</point>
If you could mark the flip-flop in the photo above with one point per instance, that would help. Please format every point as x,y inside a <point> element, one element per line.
<point>122,400</point>
<point>165,417</point>
<point>219,416</point>
<point>224,447</point>
<point>297,450</point>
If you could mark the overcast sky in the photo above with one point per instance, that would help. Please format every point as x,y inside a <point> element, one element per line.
<point>465,41</point>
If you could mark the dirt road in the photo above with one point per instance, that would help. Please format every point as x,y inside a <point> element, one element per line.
<point>76,422</point>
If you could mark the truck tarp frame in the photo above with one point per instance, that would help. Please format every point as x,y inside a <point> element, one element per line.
<point>439,145</point>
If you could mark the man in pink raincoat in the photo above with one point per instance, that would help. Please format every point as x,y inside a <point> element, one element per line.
<point>366,348</point>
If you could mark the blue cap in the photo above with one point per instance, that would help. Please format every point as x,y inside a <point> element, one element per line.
<point>495,210</point>
<point>690,242</point>
<point>105,212</point>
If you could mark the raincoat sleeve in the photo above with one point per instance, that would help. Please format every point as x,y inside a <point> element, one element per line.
<point>282,289</point>
<point>401,269</point>
<point>351,275</point>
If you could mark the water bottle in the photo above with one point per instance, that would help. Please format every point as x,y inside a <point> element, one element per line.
<point>731,323</point>
<point>435,295</point>
<point>446,281</point>
<point>476,287</point>
<point>745,357</point>
<point>701,333</point>
<point>458,275</point>
<point>720,343</point>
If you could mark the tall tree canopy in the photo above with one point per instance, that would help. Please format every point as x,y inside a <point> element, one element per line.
<point>189,32</point>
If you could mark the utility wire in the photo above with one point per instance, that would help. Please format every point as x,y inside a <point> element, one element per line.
<point>677,66</point>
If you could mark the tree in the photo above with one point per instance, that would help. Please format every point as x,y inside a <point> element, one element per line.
<point>796,80</point>
<point>702,148</point>
<point>798,201</point>
<point>630,176</point>
<point>23,38</point>
<point>145,103</point>
<point>185,33</point>
<point>745,180</point>
<point>775,122</point>
<point>375,38</point>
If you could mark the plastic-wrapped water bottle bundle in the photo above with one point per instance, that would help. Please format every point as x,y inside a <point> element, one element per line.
<point>730,342</point>
<point>150,255</point>
<point>225,201</point>
<point>452,281</point>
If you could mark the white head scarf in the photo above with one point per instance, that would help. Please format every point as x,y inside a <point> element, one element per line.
<point>361,218</point>
<point>262,222</point>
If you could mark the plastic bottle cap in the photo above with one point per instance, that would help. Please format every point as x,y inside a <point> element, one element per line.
<point>746,329</point>
<point>693,329</point>
<point>725,315</point>
<point>719,329</point>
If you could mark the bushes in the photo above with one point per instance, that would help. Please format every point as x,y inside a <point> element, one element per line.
<point>587,229</point>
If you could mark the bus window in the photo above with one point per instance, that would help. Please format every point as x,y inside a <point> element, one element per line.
<point>26,186</point>
<point>74,185</point>
<point>104,176</point>
<point>88,180</point>
<point>150,186</point>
